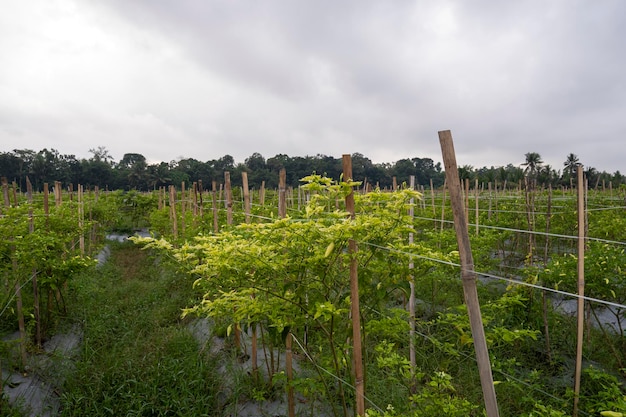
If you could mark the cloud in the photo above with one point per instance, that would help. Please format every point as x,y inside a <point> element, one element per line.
<point>205,79</point>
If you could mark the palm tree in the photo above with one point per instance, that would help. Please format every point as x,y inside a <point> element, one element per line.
<point>533,163</point>
<point>571,165</point>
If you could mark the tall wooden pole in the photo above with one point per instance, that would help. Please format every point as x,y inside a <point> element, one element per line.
<point>246,195</point>
<point>581,287</point>
<point>354,299</point>
<point>412,359</point>
<point>282,197</point>
<point>214,196</point>
<point>173,217</point>
<point>228,193</point>
<point>468,276</point>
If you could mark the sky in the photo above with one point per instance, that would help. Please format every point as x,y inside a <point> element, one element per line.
<point>173,79</point>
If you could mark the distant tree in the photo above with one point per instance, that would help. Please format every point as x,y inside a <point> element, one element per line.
<point>133,168</point>
<point>547,176</point>
<point>466,172</point>
<point>10,167</point>
<point>159,175</point>
<point>571,165</point>
<point>255,162</point>
<point>101,154</point>
<point>533,163</point>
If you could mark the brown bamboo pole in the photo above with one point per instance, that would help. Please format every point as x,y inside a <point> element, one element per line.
<point>200,199</point>
<point>14,192</point>
<point>262,194</point>
<point>282,188</point>
<point>443,205</point>
<point>5,192</point>
<point>81,220</point>
<point>229,198</point>
<point>172,196</point>
<point>31,229</point>
<point>354,299</point>
<point>466,195</point>
<point>246,195</point>
<point>489,190</point>
<point>581,288</point>
<point>183,207</point>
<point>214,196</point>
<point>544,297</point>
<point>412,358</point>
<point>432,201</point>
<point>468,276</point>
<point>476,204</point>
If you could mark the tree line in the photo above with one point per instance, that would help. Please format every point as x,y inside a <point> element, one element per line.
<point>133,171</point>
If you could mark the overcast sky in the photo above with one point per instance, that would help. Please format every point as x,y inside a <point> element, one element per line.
<point>205,78</point>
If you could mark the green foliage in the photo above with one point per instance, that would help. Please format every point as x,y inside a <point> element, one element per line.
<point>136,358</point>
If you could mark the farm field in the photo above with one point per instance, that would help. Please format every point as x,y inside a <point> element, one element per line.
<point>268,273</point>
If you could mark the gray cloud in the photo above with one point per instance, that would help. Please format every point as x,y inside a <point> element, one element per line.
<point>204,79</point>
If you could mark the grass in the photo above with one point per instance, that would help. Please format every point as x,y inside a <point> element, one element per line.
<point>137,357</point>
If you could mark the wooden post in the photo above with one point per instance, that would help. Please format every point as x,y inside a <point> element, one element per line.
<point>246,195</point>
<point>282,188</point>
<point>467,200</point>
<point>214,195</point>
<point>544,297</point>
<point>200,201</point>
<point>262,194</point>
<point>489,211</point>
<point>432,200</point>
<point>468,276</point>
<point>443,205</point>
<point>31,229</point>
<point>229,198</point>
<point>5,192</point>
<point>173,218</point>
<point>476,204</point>
<point>412,359</point>
<point>14,192</point>
<point>81,221</point>
<point>183,208</point>
<point>291,401</point>
<point>354,299</point>
<point>194,194</point>
<point>581,288</point>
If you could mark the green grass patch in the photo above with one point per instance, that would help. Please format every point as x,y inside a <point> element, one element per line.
<point>137,357</point>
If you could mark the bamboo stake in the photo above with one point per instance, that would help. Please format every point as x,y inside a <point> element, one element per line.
<point>544,301</point>
<point>581,288</point>
<point>172,196</point>
<point>31,229</point>
<point>432,200</point>
<point>489,190</point>
<point>354,299</point>
<point>443,205</point>
<point>214,195</point>
<point>476,204</point>
<point>468,276</point>
<point>200,200</point>
<point>412,359</point>
<point>282,188</point>
<point>5,192</point>
<point>81,221</point>
<point>466,195</point>
<point>246,195</point>
<point>229,198</point>
<point>262,194</point>
<point>183,207</point>
<point>14,192</point>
